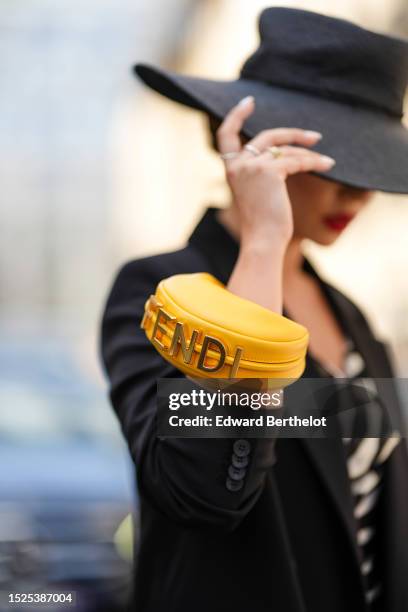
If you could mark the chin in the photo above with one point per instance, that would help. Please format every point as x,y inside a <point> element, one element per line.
<point>326,239</point>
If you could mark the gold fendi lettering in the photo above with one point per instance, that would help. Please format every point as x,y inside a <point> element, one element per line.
<point>208,341</point>
<point>235,363</point>
<point>162,317</point>
<point>152,304</point>
<point>179,339</point>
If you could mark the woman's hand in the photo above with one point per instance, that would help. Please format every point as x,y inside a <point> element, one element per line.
<point>258,182</point>
<point>258,186</point>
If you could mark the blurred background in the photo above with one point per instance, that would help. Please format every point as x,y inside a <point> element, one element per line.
<point>82,146</point>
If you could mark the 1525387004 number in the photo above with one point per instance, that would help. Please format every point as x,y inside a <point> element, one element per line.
<point>42,598</point>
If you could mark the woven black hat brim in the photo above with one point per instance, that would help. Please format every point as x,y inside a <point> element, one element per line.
<point>370,147</point>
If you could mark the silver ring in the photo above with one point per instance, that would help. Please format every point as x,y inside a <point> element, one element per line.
<point>275,152</point>
<point>231,155</point>
<point>252,149</point>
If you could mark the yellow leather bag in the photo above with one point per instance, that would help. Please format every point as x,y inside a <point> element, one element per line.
<point>206,331</point>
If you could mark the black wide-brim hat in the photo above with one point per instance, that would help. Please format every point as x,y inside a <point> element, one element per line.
<point>317,73</point>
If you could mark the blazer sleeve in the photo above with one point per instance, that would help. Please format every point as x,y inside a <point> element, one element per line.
<point>186,479</point>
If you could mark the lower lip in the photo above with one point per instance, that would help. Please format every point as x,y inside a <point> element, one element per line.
<point>337,225</point>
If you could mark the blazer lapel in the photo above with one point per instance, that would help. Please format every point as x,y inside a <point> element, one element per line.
<point>217,245</point>
<point>328,458</point>
<point>373,352</point>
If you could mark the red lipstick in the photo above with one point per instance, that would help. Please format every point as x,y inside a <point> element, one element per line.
<point>337,223</point>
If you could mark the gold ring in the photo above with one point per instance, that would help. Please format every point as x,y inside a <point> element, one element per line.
<point>275,152</point>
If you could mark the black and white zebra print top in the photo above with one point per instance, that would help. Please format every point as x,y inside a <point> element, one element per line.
<point>366,457</point>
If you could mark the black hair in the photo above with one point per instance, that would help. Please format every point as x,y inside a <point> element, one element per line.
<point>213,125</point>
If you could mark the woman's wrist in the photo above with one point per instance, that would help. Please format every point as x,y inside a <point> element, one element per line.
<point>264,245</point>
<point>258,272</point>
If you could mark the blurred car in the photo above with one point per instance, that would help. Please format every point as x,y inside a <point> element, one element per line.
<point>65,482</point>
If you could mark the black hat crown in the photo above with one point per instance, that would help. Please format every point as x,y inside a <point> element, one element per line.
<point>331,58</point>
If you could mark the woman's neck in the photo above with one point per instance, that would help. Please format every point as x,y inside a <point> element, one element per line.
<point>293,258</point>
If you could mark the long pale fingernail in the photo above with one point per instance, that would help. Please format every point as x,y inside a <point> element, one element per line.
<point>246,100</point>
<point>313,134</point>
<point>328,160</point>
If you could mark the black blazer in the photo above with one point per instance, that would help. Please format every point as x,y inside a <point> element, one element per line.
<point>285,542</point>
